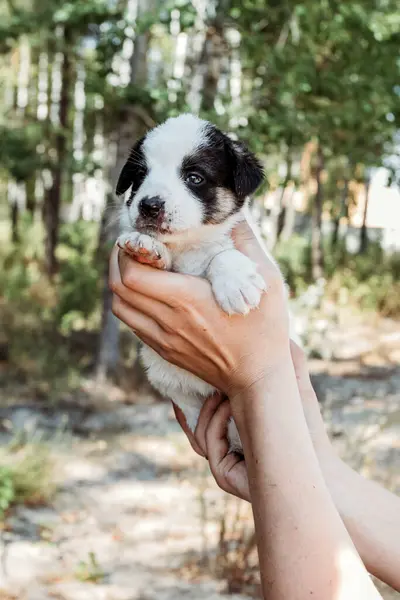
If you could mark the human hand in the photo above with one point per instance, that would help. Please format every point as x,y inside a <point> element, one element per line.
<point>210,441</point>
<point>179,318</point>
<point>210,436</point>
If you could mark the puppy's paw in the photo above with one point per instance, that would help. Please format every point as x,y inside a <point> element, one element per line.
<point>145,249</point>
<point>238,287</point>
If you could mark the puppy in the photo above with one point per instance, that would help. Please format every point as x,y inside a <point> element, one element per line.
<point>189,184</point>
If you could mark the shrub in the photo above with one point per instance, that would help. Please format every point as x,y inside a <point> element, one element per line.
<point>41,317</point>
<point>370,281</point>
<point>293,257</point>
<point>26,476</point>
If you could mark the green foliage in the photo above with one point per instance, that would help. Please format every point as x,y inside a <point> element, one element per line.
<point>89,570</point>
<point>293,257</point>
<point>308,79</point>
<point>7,490</point>
<point>77,288</point>
<point>18,153</point>
<point>80,277</point>
<point>303,83</point>
<point>40,316</point>
<point>370,281</point>
<point>26,476</point>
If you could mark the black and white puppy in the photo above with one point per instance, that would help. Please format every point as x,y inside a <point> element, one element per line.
<point>189,185</point>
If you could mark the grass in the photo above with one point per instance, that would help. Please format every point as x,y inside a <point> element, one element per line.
<point>26,476</point>
<point>89,571</point>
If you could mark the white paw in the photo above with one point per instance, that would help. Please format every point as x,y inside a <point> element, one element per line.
<point>145,249</point>
<point>238,289</point>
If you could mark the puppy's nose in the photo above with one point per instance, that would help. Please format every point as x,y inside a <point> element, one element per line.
<point>150,207</point>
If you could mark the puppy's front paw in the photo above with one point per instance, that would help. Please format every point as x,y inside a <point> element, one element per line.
<point>237,288</point>
<point>145,249</point>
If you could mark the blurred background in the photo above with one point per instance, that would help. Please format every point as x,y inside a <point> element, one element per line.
<point>101,496</point>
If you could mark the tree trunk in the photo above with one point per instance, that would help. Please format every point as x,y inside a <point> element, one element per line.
<point>363,231</point>
<point>290,217</point>
<point>206,68</point>
<point>129,129</point>
<point>30,188</point>
<point>279,210</point>
<point>211,60</point>
<point>14,223</point>
<point>342,212</point>
<point>284,200</point>
<point>53,197</point>
<point>317,255</point>
<point>274,218</point>
<point>15,63</point>
<point>15,192</point>
<point>33,88</point>
<point>108,349</point>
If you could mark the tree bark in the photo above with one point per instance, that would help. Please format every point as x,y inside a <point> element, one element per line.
<point>279,208</point>
<point>14,223</point>
<point>364,231</point>
<point>129,129</point>
<point>317,254</point>
<point>342,212</point>
<point>206,68</point>
<point>211,61</point>
<point>14,216</point>
<point>284,200</point>
<point>53,197</point>
<point>15,199</point>
<point>30,188</point>
<point>290,217</point>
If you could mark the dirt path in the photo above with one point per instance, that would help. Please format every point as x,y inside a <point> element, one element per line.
<point>138,517</point>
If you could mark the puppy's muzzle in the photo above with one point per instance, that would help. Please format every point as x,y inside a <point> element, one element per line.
<point>151,207</point>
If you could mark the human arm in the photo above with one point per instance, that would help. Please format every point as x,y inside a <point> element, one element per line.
<point>370,512</point>
<point>303,545</point>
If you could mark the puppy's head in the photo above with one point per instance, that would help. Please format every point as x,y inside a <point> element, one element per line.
<point>185,174</point>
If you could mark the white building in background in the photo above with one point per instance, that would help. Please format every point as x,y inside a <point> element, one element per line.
<point>383,215</point>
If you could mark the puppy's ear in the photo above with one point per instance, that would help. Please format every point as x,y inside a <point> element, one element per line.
<point>248,172</point>
<point>133,171</point>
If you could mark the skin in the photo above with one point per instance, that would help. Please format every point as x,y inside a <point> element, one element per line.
<point>294,478</point>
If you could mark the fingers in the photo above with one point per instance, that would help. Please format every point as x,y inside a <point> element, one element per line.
<point>144,326</point>
<point>210,441</point>
<point>206,413</point>
<point>228,468</point>
<point>180,417</point>
<point>142,303</point>
<point>163,286</point>
<point>216,435</point>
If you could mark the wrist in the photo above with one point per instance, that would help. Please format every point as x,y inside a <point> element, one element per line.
<point>257,385</point>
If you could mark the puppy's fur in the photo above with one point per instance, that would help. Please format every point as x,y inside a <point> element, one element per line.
<point>189,183</point>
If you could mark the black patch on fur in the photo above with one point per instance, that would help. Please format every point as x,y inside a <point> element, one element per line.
<point>224,164</point>
<point>133,172</point>
<point>248,173</point>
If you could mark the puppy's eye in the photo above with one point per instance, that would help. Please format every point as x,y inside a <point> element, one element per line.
<point>194,178</point>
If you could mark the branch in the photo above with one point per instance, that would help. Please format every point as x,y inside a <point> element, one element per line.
<point>11,7</point>
<point>143,115</point>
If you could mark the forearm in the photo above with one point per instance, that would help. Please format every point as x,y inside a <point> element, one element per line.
<point>371,513</point>
<point>372,517</point>
<point>304,548</point>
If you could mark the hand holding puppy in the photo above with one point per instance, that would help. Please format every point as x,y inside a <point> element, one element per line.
<point>178,317</point>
